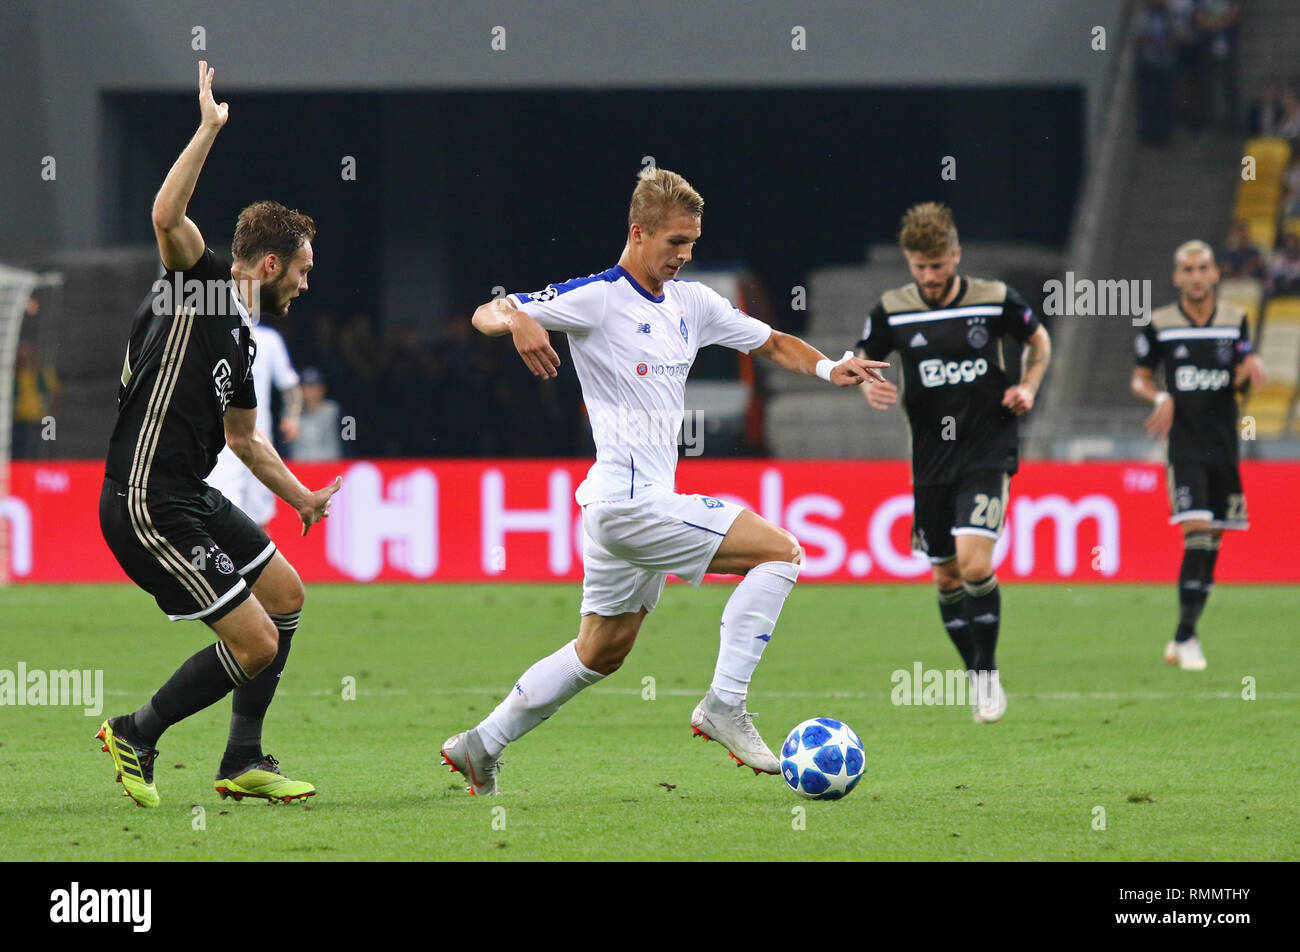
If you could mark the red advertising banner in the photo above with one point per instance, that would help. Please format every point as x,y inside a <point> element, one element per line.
<point>480,520</point>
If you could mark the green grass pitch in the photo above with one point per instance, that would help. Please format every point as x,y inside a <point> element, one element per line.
<point>1181,766</point>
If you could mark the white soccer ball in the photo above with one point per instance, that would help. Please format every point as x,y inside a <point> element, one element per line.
<point>822,759</point>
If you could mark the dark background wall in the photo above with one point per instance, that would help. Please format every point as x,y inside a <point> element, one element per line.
<point>457,193</point>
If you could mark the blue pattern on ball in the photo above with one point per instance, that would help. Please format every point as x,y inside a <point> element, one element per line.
<point>829,760</point>
<point>814,781</point>
<point>790,771</point>
<point>853,761</point>
<point>791,745</point>
<point>815,736</point>
<point>830,722</point>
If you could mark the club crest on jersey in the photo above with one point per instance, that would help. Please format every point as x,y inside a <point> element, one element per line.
<point>1223,352</point>
<point>711,503</point>
<point>224,565</point>
<point>977,335</point>
<point>686,337</point>
<point>221,381</point>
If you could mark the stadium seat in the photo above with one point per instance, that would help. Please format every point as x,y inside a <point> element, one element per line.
<point>1283,310</point>
<point>1271,408</point>
<point>1291,226</point>
<point>1263,231</point>
<point>1270,154</point>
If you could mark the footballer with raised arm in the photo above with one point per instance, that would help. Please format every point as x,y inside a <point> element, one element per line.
<point>963,412</point>
<point>1204,346</point>
<point>634,331</point>
<point>186,391</point>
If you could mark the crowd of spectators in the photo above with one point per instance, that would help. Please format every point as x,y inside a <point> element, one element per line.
<point>400,392</point>
<point>1187,66</point>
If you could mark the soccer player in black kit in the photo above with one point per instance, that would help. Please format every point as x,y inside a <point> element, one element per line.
<point>187,390</point>
<point>1204,345</point>
<point>962,410</point>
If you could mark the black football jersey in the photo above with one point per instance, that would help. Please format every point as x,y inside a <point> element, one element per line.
<point>190,355</point>
<point>1199,364</point>
<point>954,374</point>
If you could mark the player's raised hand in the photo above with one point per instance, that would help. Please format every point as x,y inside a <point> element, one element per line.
<point>1251,372</point>
<point>882,395</point>
<point>318,505</point>
<point>534,346</point>
<point>1018,399</point>
<point>1161,418</point>
<point>852,371</point>
<point>213,114</point>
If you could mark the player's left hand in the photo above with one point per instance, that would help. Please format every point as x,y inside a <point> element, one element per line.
<point>853,371</point>
<point>1019,399</point>
<point>318,505</point>
<point>289,429</point>
<point>1251,371</point>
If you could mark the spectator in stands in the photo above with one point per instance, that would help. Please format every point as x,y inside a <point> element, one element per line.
<point>1291,189</point>
<point>1284,267</point>
<point>1289,127</point>
<point>1217,21</point>
<point>1157,60</point>
<point>1266,112</point>
<point>319,427</point>
<point>1241,257</point>
<point>35,387</point>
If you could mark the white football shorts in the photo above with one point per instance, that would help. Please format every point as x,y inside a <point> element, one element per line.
<point>630,546</point>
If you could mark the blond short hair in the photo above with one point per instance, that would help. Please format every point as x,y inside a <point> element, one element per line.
<point>658,193</point>
<point>1194,247</point>
<point>928,229</point>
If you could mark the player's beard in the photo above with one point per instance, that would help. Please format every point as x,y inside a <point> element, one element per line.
<point>269,299</point>
<point>943,292</point>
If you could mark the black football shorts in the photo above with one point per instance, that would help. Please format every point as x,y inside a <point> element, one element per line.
<point>976,504</point>
<point>196,554</point>
<point>1207,491</point>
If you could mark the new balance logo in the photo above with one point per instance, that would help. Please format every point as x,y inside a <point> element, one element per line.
<point>643,328</point>
<point>763,637</point>
<point>918,341</point>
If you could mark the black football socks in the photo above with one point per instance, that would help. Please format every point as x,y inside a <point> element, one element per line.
<point>983,615</point>
<point>251,701</point>
<point>205,678</point>
<point>952,609</point>
<point>1195,579</point>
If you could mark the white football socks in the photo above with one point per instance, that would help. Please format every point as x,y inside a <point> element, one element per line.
<point>536,696</point>
<point>747,625</point>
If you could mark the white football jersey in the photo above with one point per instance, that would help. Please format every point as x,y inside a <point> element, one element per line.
<point>632,352</point>
<point>272,366</point>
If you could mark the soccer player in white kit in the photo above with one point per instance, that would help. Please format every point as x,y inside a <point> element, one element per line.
<point>634,331</point>
<point>231,477</point>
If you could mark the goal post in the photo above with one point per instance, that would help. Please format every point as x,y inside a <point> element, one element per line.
<point>16,289</point>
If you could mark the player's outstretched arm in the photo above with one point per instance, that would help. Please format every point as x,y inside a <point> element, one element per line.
<point>499,317</point>
<point>798,356</point>
<point>179,241</point>
<point>259,455</point>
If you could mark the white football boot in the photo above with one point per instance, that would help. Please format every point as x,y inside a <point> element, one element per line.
<point>465,755</point>
<point>1171,652</point>
<point>988,700</point>
<point>733,728</point>
<point>1190,655</point>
